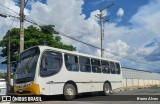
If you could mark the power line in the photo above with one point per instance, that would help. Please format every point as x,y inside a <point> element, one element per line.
<point>107,51</point>
<point>9,8</point>
<point>21,18</point>
<point>57,25</point>
<point>62,34</point>
<point>37,18</point>
<point>48,21</point>
<point>2,15</point>
<point>7,15</point>
<point>125,57</point>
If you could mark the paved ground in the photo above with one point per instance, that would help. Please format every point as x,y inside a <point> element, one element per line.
<point>117,98</point>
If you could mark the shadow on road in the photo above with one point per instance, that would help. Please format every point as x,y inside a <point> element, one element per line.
<point>61,97</point>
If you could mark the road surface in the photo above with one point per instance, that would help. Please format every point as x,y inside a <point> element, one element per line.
<point>123,97</point>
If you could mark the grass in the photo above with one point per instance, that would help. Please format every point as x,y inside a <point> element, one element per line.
<point>154,86</point>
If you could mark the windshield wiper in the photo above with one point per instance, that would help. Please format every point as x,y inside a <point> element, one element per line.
<point>26,79</point>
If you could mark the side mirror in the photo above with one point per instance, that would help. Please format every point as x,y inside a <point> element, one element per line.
<point>43,69</point>
<point>46,63</point>
<point>14,65</point>
<point>44,66</point>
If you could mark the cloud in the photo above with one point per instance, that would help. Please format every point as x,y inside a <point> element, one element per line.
<point>118,47</point>
<point>147,20</point>
<point>127,41</point>
<point>7,23</point>
<point>153,56</point>
<point>120,12</point>
<point>151,51</point>
<point>148,17</point>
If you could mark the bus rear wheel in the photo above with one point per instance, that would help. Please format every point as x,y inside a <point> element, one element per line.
<point>69,92</point>
<point>107,89</point>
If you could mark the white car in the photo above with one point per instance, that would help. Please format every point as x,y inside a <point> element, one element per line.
<point>3,88</point>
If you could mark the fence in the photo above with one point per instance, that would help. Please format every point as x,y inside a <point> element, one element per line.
<point>134,77</point>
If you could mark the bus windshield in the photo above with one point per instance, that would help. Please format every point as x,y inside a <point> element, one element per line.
<point>26,67</point>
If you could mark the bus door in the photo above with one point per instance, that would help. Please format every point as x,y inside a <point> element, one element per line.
<point>51,65</point>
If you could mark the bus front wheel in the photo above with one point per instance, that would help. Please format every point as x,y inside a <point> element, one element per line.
<point>107,89</point>
<point>69,92</point>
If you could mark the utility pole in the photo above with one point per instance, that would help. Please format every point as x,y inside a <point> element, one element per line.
<point>21,25</point>
<point>102,20</point>
<point>8,62</point>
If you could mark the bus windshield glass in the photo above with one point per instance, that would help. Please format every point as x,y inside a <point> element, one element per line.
<point>26,67</point>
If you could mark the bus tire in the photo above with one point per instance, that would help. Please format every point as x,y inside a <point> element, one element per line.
<point>69,92</point>
<point>106,89</point>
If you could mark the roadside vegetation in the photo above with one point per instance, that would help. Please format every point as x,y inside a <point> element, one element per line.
<point>4,76</point>
<point>33,36</point>
<point>154,86</point>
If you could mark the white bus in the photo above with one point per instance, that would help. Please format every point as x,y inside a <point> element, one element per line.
<point>44,70</point>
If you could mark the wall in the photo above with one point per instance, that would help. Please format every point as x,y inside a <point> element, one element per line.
<point>134,77</point>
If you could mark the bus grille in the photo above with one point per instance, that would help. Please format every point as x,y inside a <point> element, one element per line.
<point>24,92</point>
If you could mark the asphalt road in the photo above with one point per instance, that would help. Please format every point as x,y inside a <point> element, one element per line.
<point>123,97</point>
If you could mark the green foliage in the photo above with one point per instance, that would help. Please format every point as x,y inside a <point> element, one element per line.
<point>154,86</point>
<point>4,76</point>
<point>45,35</point>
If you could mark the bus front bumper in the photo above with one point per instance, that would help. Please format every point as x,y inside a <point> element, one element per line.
<point>31,89</point>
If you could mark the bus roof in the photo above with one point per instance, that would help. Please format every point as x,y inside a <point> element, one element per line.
<point>42,48</point>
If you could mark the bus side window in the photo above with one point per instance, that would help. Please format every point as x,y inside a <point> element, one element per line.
<point>105,67</point>
<point>112,68</point>
<point>84,63</point>
<point>96,68</point>
<point>117,68</point>
<point>71,62</point>
<point>51,63</point>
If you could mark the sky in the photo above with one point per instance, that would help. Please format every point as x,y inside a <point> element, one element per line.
<point>132,32</point>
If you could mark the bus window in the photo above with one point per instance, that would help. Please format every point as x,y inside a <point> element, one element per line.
<point>105,66</point>
<point>71,62</point>
<point>117,68</point>
<point>96,68</point>
<point>112,68</point>
<point>51,63</point>
<point>84,64</point>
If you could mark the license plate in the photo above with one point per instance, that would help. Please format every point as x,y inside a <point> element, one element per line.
<point>20,91</point>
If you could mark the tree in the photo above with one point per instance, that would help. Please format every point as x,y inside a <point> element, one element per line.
<point>45,35</point>
<point>4,76</point>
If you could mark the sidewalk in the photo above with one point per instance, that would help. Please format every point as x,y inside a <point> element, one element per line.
<point>4,102</point>
<point>129,88</point>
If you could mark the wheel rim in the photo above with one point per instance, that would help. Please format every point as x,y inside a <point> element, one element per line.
<point>107,89</point>
<point>69,91</point>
